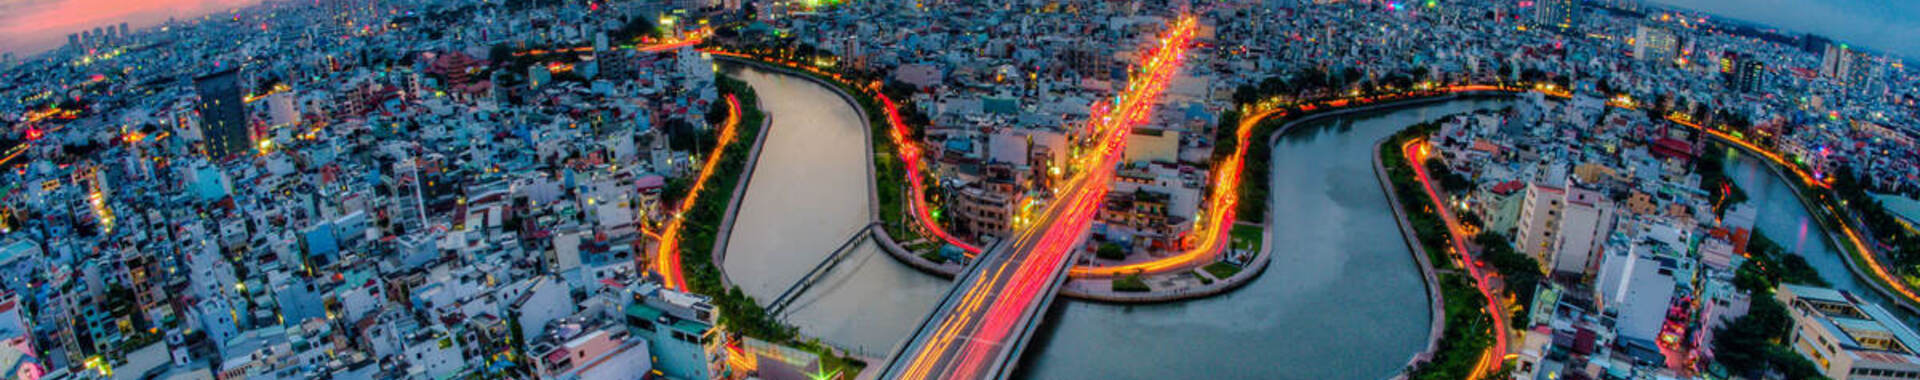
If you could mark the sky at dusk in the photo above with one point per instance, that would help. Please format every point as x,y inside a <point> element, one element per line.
<point>32,26</point>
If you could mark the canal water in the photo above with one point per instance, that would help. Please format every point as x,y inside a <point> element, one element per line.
<point>1785,220</point>
<point>808,195</point>
<point>1342,298</point>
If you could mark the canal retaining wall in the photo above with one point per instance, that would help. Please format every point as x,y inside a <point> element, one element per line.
<point>725,232</point>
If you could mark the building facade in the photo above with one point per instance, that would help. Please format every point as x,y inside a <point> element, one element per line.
<point>223,114</point>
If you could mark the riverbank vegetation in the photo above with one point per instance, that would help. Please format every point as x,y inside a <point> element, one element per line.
<point>1222,269</point>
<point>1469,329</point>
<point>1769,265</point>
<point>1429,230</point>
<point>1523,273</point>
<point>1130,283</point>
<point>1466,337</point>
<point>1713,179</point>
<point>1755,344</point>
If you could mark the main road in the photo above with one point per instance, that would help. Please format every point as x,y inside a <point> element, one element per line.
<point>976,332</point>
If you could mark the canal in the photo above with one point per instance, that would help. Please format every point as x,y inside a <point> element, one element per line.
<point>1785,220</point>
<point>808,194</point>
<point>1342,298</point>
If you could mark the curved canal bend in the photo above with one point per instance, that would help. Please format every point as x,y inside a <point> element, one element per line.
<point>1785,220</point>
<point>1345,282</point>
<point>808,194</point>
<point>1342,299</point>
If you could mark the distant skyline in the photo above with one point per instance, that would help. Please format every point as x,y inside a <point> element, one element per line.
<point>1885,25</point>
<point>33,26</point>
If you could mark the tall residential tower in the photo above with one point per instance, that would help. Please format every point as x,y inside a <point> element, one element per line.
<point>223,113</point>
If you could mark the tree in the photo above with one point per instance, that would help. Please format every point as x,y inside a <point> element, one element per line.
<point>635,27</point>
<point>1246,94</point>
<point>499,53</point>
<point>1110,251</point>
<point>1747,345</point>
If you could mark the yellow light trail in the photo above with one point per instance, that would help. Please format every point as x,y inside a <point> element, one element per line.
<point>1112,136</point>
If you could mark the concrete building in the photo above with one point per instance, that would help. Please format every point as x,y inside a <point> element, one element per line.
<point>223,113</point>
<point>1844,65</point>
<point>1742,73</point>
<point>1563,227</point>
<point>1848,338</point>
<point>1654,43</point>
<point>678,330</point>
<point>1561,16</point>
<point>1636,287</point>
<point>1152,145</point>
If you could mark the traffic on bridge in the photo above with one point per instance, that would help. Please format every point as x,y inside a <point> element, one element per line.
<point>976,331</point>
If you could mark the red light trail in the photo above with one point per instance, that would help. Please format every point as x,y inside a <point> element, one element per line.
<point>910,156</point>
<point>1416,153</point>
<point>667,256</point>
<point>969,339</point>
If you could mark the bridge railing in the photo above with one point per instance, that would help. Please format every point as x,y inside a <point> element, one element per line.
<point>779,304</point>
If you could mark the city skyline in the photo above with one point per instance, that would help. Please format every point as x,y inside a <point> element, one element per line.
<point>955,190</point>
<point>29,27</point>
<point>1888,26</point>
<point>34,26</point>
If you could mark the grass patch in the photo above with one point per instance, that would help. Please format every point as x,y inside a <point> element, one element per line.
<point>1222,269</point>
<point>1130,283</point>
<point>1247,237</point>
<point>1110,251</point>
<point>935,257</point>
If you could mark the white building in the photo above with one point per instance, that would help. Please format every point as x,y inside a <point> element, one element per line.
<point>1636,286</point>
<point>1563,227</point>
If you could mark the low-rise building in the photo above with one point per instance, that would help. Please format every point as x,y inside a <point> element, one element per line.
<point>1848,338</point>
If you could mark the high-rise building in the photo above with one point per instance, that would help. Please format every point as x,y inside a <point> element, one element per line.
<point>123,30</point>
<point>1557,15</point>
<point>1624,5</point>
<point>73,40</point>
<point>1814,43</point>
<point>1843,64</point>
<point>1654,43</point>
<point>1564,227</point>
<point>223,114</point>
<point>1741,73</point>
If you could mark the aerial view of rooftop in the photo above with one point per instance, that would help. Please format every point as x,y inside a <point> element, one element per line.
<point>959,189</point>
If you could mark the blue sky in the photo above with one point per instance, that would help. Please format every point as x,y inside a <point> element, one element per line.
<point>1887,25</point>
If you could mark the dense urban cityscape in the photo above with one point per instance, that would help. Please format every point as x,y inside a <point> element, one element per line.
<point>958,189</point>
